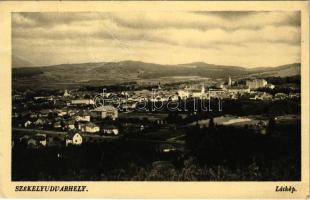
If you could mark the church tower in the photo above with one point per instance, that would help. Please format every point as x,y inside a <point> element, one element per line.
<point>159,86</point>
<point>66,93</point>
<point>229,81</point>
<point>203,89</point>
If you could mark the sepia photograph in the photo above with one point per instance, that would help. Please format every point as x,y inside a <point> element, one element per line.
<point>154,99</point>
<point>148,96</point>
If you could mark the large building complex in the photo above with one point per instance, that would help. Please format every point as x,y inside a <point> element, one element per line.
<point>256,83</point>
<point>104,112</point>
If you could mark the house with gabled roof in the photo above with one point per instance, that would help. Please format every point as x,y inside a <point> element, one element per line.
<point>27,124</point>
<point>90,127</point>
<point>74,138</point>
<point>105,112</point>
<point>82,116</point>
<point>110,130</point>
<point>39,122</point>
<point>71,124</point>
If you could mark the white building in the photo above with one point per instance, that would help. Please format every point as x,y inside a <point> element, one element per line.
<point>57,124</point>
<point>27,123</point>
<point>39,122</point>
<point>41,138</point>
<point>104,112</point>
<point>111,130</point>
<point>61,113</point>
<point>183,94</point>
<point>256,83</point>
<point>66,93</point>
<point>270,86</point>
<point>74,139</point>
<point>90,128</point>
<point>216,93</point>
<point>280,96</point>
<point>36,141</point>
<point>261,96</point>
<point>82,116</point>
<point>71,125</point>
<point>173,98</point>
<point>82,101</point>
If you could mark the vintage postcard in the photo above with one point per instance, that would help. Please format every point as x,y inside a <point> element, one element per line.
<point>134,99</point>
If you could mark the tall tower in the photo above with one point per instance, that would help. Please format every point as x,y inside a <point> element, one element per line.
<point>229,81</point>
<point>203,89</point>
<point>66,93</point>
<point>159,86</point>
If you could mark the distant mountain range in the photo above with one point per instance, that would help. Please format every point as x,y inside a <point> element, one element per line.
<point>112,72</point>
<point>20,62</point>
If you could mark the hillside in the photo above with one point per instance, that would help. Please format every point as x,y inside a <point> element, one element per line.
<point>20,62</point>
<point>282,71</point>
<point>126,71</point>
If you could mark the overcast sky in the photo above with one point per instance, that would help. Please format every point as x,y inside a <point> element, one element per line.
<point>248,39</point>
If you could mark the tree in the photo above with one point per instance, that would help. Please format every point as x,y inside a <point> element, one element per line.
<point>271,126</point>
<point>76,125</point>
<point>87,96</point>
<point>211,123</point>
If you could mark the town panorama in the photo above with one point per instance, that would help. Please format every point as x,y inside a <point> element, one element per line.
<point>136,99</point>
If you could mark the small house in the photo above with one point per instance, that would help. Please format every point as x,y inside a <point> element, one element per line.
<point>74,139</point>
<point>105,112</point>
<point>71,124</point>
<point>48,122</point>
<point>90,128</point>
<point>27,124</point>
<point>41,139</point>
<point>34,115</point>
<point>57,125</point>
<point>280,96</point>
<point>110,130</point>
<point>82,116</point>
<point>61,113</point>
<point>45,112</point>
<point>39,122</point>
<point>36,141</point>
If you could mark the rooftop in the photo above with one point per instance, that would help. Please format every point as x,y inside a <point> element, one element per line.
<point>104,108</point>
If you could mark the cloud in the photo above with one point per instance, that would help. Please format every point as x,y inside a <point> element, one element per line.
<point>229,20</point>
<point>48,19</point>
<point>158,37</point>
<point>276,18</point>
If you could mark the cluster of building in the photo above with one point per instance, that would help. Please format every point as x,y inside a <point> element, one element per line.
<point>76,115</point>
<point>43,140</point>
<point>67,119</point>
<point>71,118</point>
<point>259,83</point>
<point>230,90</point>
<point>76,123</point>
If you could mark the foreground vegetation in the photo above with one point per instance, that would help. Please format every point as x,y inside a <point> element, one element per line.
<point>215,153</point>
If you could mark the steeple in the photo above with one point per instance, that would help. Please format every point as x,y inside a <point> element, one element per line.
<point>159,86</point>
<point>203,89</point>
<point>66,93</point>
<point>229,81</point>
